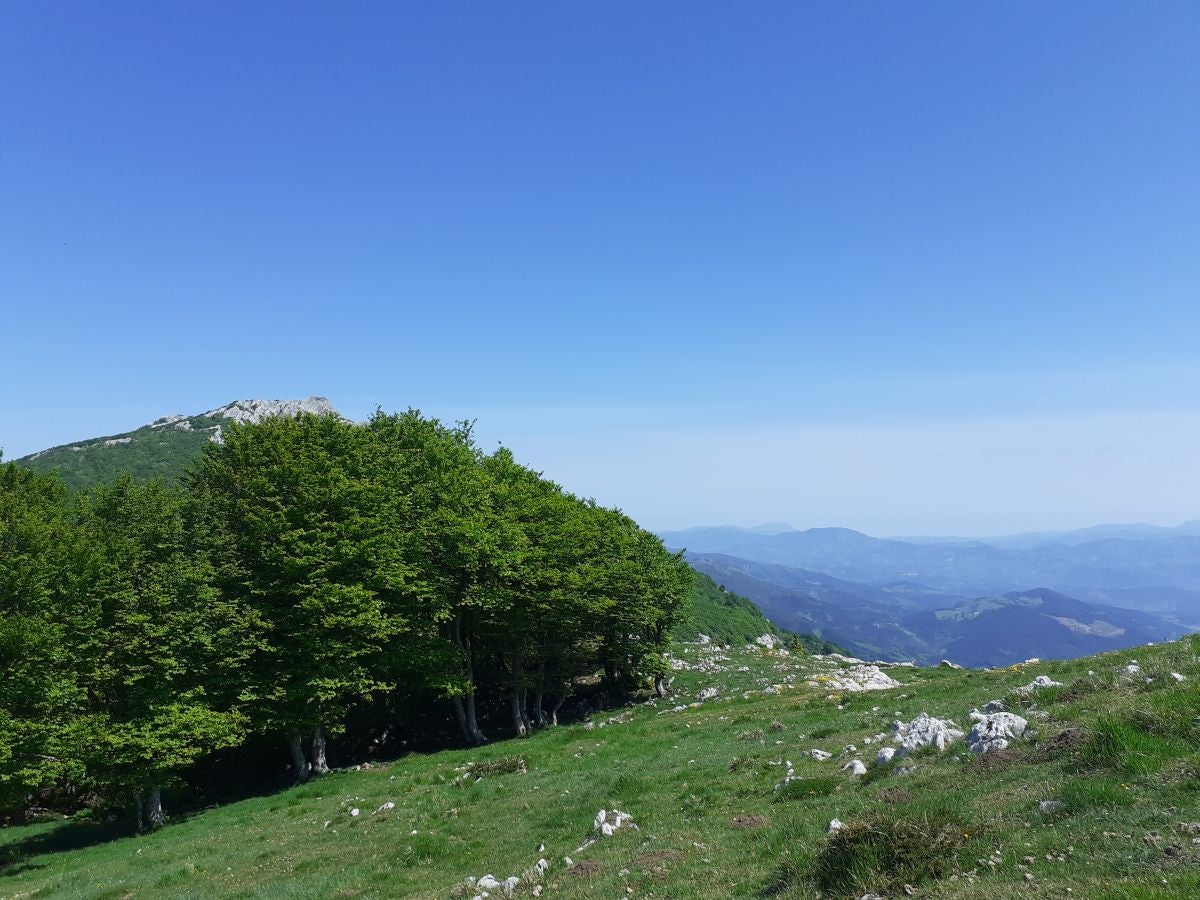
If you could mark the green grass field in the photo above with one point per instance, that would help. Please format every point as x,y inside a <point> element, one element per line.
<point>1122,757</point>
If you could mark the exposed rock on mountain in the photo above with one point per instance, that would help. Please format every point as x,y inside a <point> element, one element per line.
<point>164,447</point>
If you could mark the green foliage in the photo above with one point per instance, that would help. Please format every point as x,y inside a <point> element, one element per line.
<point>885,853</point>
<point>307,572</point>
<point>145,454</point>
<point>729,618</point>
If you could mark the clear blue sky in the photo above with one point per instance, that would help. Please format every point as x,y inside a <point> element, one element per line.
<point>903,267</point>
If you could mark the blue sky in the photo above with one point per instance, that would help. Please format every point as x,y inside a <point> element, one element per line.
<point>904,267</point>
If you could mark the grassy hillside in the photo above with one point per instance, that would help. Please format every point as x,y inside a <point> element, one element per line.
<point>1117,755</point>
<point>729,618</point>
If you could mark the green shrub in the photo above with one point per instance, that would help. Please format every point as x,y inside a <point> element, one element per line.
<point>885,853</point>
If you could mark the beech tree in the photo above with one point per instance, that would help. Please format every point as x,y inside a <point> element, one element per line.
<point>303,539</point>
<point>37,688</point>
<point>444,514</point>
<point>152,643</point>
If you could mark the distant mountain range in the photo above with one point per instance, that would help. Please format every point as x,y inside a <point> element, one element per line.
<point>1158,572</point>
<point>906,620</point>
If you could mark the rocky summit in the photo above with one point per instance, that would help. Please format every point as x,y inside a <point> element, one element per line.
<point>163,448</point>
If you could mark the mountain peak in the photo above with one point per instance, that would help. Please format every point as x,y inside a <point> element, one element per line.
<point>257,410</point>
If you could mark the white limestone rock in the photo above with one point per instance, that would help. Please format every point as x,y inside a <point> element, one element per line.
<point>708,693</point>
<point>994,731</point>
<point>855,767</point>
<point>820,755</point>
<point>884,756</point>
<point>1041,681</point>
<point>608,821</point>
<point>925,731</point>
<point>855,679</point>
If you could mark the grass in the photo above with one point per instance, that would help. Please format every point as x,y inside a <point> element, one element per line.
<point>1120,754</point>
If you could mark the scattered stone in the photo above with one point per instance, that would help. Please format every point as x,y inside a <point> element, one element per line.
<point>855,767</point>
<point>834,825</point>
<point>1041,681</point>
<point>925,731</point>
<point>1048,807</point>
<point>946,664</point>
<point>607,822</point>
<point>993,706</point>
<point>993,731</point>
<point>708,693</point>
<point>1175,676</point>
<point>820,755</point>
<point>884,756</point>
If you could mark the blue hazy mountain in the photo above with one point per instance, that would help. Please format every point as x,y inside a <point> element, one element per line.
<point>907,620</point>
<point>1123,570</point>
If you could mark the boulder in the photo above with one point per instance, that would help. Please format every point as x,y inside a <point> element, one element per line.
<point>854,679</point>
<point>994,731</point>
<point>925,731</point>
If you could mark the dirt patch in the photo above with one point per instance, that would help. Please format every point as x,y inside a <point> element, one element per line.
<point>996,759</point>
<point>751,821</point>
<point>585,869</point>
<point>1064,743</point>
<point>895,795</point>
<point>656,858</point>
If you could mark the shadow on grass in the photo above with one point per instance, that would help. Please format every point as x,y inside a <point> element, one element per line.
<point>15,854</point>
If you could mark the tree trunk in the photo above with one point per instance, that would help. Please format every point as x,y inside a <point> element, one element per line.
<point>460,715</point>
<point>660,685</point>
<point>154,810</point>
<point>518,722</point>
<point>539,714</point>
<point>520,719</point>
<point>525,709</point>
<point>468,723</point>
<point>319,765</point>
<point>477,735</point>
<point>299,763</point>
<point>558,702</point>
<point>137,810</point>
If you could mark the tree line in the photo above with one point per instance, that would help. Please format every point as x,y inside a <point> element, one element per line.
<point>307,576</point>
